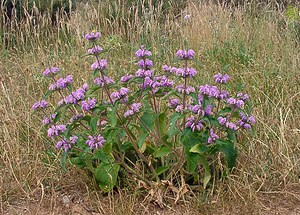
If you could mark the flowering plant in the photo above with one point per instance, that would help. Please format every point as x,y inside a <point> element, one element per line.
<point>152,125</point>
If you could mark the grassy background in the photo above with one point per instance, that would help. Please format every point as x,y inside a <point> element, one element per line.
<point>262,49</point>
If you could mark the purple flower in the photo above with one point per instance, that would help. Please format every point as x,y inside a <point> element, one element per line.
<point>124,91</point>
<point>209,110</point>
<point>85,87</point>
<point>197,109</point>
<point>66,144</point>
<point>101,65</point>
<point>185,55</point>
<point>223,94</point>
<point>239,103</point>
<point>245,121</point>
<point>49,120</point>
<point>144,73</point>
<point>95,142</point>
<point>145,63</point>
<point>142,53</point>
<point>242,96</point>
<point>219,78</point>
<point>136,107</point>
<point>55,130</point>
<point>173,103</point>
<point>231,125</point>
<point>188,90</point>
<point>186,72</point>
<point>179,108</point>
<point>210,91</point>
<point>222,120</point>
<point>252,120</point>
<point>194,124</point>
<point>50,71</point>
<point>64,82</point>
<point>96,50</point>
<point>231,101</point>
<point>41,104</point>
<point>88,104</point>
<point>212,136</point>
<point>92,36</point>
<point>100,82</point>
<point>126,78</point>
<point>76,117</point>
<point>128,113</point>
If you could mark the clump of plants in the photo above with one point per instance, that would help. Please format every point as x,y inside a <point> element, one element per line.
<point>154,125</point>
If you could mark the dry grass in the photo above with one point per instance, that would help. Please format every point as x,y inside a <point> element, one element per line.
<point>264,55</point>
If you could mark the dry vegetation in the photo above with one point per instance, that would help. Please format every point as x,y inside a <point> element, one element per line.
<point>264,55</point>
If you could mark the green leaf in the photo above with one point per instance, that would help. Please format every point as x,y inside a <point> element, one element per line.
<point>229,151</point>
<point>199,148</point>
<point>113,116</point>
<point>173,121</point>
<point>63,160</point>
<point>161,170</point>
<point>106,175</point>
<point>141,141</point>
<point>148,119</point>
<point>162,151</point>
<point>207,174</point>
<point>93,124</point>
<point>162,122</point>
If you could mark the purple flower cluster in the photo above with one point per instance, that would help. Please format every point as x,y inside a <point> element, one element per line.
<point>169,69</point>
<point>222,79</point>
<point>76,96</point>
<point>213,91</point>
<point>185,55</point>
<point>141,73</point>
<point>134,108</point>
<point>96,50</point>
<point>56,130</point>
<point>62,83</point>
<point>41,104</point>
<point>126,78</point>
<point>49,120</point>
<point>212,136</point>
<point>95,142</point>
<point>101,65</point>
<point>142,53</point>
<point>100,82</point>
<point>186,72</point>
<point>239,103</point>
<point>242,96</point>
<point>224,121</point>
<point>50,71</point>
<point>121,94</point>
<point>88,104</point>
<point>181,89</point>
<point>173,103</point>
<point>92,36</point>
<point>194,124</point>
<point>145,63</point>
<point>76,117</point>
<point>64,143</point>
<point>246,122</point>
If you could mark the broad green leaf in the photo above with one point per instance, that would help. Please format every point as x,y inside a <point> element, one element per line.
<point>113,116</point>
<point>93,124</point>
<point>173,129</point>
<point>161,151</point>
<point>207,174</point>
<point>199,148</point>
<point>229,151</point>
<point>141,141</point>
<point>162,122</point>
<point>161,170</point>
<point>106,175</point>
<point>148,119</point>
